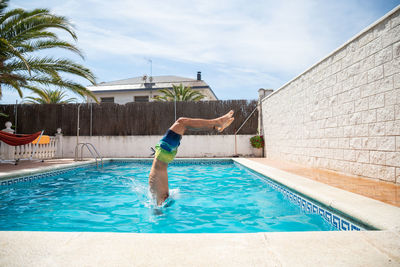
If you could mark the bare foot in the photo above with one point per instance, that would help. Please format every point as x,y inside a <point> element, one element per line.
<point>220,129</point>
<point>224,121</point>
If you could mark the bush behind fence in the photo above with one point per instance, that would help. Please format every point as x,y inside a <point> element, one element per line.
<point>149,118</point>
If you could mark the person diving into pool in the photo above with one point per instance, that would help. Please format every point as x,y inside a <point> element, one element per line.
<point>167,148</point>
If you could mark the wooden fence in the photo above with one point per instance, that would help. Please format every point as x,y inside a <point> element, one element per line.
<point>109,119</point>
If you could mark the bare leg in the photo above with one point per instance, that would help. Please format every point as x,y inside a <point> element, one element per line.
<point>158,178</point>
<point>158,181</point>
<point>182,124</point>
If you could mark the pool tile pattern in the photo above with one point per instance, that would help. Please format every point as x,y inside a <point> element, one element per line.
<point>30,178</point>
<point>178,161</point>
<point>311,207</point>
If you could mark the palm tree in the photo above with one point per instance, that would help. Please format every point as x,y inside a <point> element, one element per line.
<point>179,93</point>
<point>47,96</point>
<point>23,34</point>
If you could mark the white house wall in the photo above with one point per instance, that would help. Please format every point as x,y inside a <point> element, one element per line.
<point>207,93</point>
<point>126,97</point>
<point>123,97</point>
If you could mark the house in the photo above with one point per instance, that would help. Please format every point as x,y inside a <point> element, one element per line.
<point>144,88</point>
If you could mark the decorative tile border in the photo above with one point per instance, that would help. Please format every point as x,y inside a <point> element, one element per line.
<point>179,161</point>
<point>143,161</point>
<point>311,207</point>
<point>202,162</point>
<point>30,178</point>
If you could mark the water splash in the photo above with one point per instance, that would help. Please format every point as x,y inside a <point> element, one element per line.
<point>142,192</point>
<point>174,194</point>
<point>145,197</point>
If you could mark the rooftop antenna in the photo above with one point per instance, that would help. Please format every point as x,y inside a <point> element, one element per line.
<point>151,67</point>
<point>151,78</point>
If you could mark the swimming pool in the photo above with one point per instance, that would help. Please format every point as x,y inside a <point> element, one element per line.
<point>206,197</point>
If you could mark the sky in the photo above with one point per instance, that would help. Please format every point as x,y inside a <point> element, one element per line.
<point>239,46</point>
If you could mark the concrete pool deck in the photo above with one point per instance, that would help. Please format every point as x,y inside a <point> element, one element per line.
<point>369,248</point>
<point>380,190</point>
<point>366,248</point>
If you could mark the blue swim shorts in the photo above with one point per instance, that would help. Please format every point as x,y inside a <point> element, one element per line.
<point>167,148</point>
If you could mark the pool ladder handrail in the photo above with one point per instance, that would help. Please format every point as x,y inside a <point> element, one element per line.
<point>95,154</point>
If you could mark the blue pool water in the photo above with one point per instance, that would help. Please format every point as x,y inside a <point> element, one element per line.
<point>222,197</point>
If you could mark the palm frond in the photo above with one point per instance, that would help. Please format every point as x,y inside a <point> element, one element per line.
<point>11,80</point>
<point>18,26</point>
<point>48,44</point>
<point>40,92</point>
<point>47,96</point>
<point>33,100</point>
<point>22,33</point>
<point>9,14</point>
<point>48,64</point>
<point>3,5</point>
<point>179,93</point>
<point>8,48</point>
<point>38,35</point>
<point>60,83</point>
<point>15,85</point>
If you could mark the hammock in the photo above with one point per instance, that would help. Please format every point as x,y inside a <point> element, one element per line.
<point>18,139</point>
<point>42,140</point>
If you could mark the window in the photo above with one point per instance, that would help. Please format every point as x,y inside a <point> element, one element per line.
<point>107,99</point>
<point>141,98</point>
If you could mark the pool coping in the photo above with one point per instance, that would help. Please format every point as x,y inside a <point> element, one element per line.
<point>371,212</point>
<point>332,248</point>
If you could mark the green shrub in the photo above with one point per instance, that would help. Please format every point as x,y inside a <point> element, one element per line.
<point>257,141</point>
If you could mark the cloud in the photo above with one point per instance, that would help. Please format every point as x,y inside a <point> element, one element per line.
<point>269,35</point>
<point>244,43</point>
<point>266,35</point>
<point>202,33</point>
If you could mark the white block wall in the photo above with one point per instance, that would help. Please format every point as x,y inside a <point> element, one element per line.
<point>139,146</point>
<point>343,113</point>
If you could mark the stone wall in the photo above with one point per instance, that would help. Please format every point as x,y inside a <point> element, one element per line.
<point>343,113</point>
